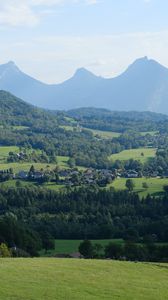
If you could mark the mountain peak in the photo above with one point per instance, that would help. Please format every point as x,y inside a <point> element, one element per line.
<point>10,65</point>
<point>141,61</point>
<point>144,64</point>
<point>83,73</point>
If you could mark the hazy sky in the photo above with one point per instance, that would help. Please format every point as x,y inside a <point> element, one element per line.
<point>50,39</point>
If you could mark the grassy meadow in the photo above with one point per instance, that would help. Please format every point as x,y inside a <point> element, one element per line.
<point>141,154</point>
<point>67,127</point>
<point>104,134</point>
<point>17,166</point>
<point>98,133</point>
<point>73,279</point>
<point>155,185</point>
<point>153,133</point>
<point>4,151</point>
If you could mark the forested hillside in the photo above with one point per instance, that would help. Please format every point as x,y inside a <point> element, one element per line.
<point>59,172</point>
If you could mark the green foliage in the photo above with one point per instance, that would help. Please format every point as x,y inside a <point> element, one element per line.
<point>145,185</point>
<point>113,250</point>
<point>165,187</point>
<point>130,184</point>
<point>86,249</point>
<point>4,251</point>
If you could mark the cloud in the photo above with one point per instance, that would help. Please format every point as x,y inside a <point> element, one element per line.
<point>29,12</point>
<point>16,13</point>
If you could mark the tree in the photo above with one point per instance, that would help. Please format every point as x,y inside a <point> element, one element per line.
<point>32,169</point>
<point>165,189</point>
<point>4,251</point>
<point>131,234</point>
<point>71,162</point>
<point>18,183</point>
<point>145,185</point>
<point>130,185</point>
<point>98,250</point>
<point>113,250</point>
<point>48,242</point>
<point>86,249</point>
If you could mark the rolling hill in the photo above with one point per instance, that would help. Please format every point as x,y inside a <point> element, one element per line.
<point>143,86</point>
<point>38,279</point>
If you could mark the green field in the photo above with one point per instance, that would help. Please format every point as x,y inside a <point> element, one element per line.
<point>20,128</point>
<point>71,246</point>
<point>24,183</point>
<point>143,133</point>
<point>17,166</point>
<point>4,151</point>
<point>67,127</point>
<point>71,120</point>
<point>135,154</point>
<point>26,166</point>
<point>97,133</point>
<point>73,279</point>
<point>12,183</point>
<point>155,185</point>
<point>104,134</point>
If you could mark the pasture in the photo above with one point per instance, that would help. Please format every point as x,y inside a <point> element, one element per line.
<point>4,151</point>
<point>67,127</point>
<point>20,128</point>
<point>152,133</point>
<point>104,134</point>
<point>78,279</point>
<point>155,185</point>
<point>141,154</point>
<point>17,166</point>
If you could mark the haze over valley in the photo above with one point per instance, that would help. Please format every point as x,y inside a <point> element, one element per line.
<point>143,86</point>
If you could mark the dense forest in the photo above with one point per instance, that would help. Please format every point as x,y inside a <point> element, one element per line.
<point>83,213</point>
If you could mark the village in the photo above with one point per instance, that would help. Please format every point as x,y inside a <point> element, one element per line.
<point>68,176</point>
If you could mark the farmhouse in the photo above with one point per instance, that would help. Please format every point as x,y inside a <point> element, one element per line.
<point>22,174</point>
<point>132,174</point>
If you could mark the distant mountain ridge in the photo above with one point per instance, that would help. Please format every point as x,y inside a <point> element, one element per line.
<point>143,86</point>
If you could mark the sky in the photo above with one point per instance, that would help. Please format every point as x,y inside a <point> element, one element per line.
<point>50,39</point>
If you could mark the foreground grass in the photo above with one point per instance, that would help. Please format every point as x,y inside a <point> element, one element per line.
<point>141,154</point>
<point>52,279</point>
<point>155,185</point>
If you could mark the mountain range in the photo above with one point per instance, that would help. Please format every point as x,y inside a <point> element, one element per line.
<point>142,86</point>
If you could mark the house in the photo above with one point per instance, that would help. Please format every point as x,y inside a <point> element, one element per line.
<point>132,174</point>
<point>38,175</point>
<point>76,255</point>
<point>22,175</point>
